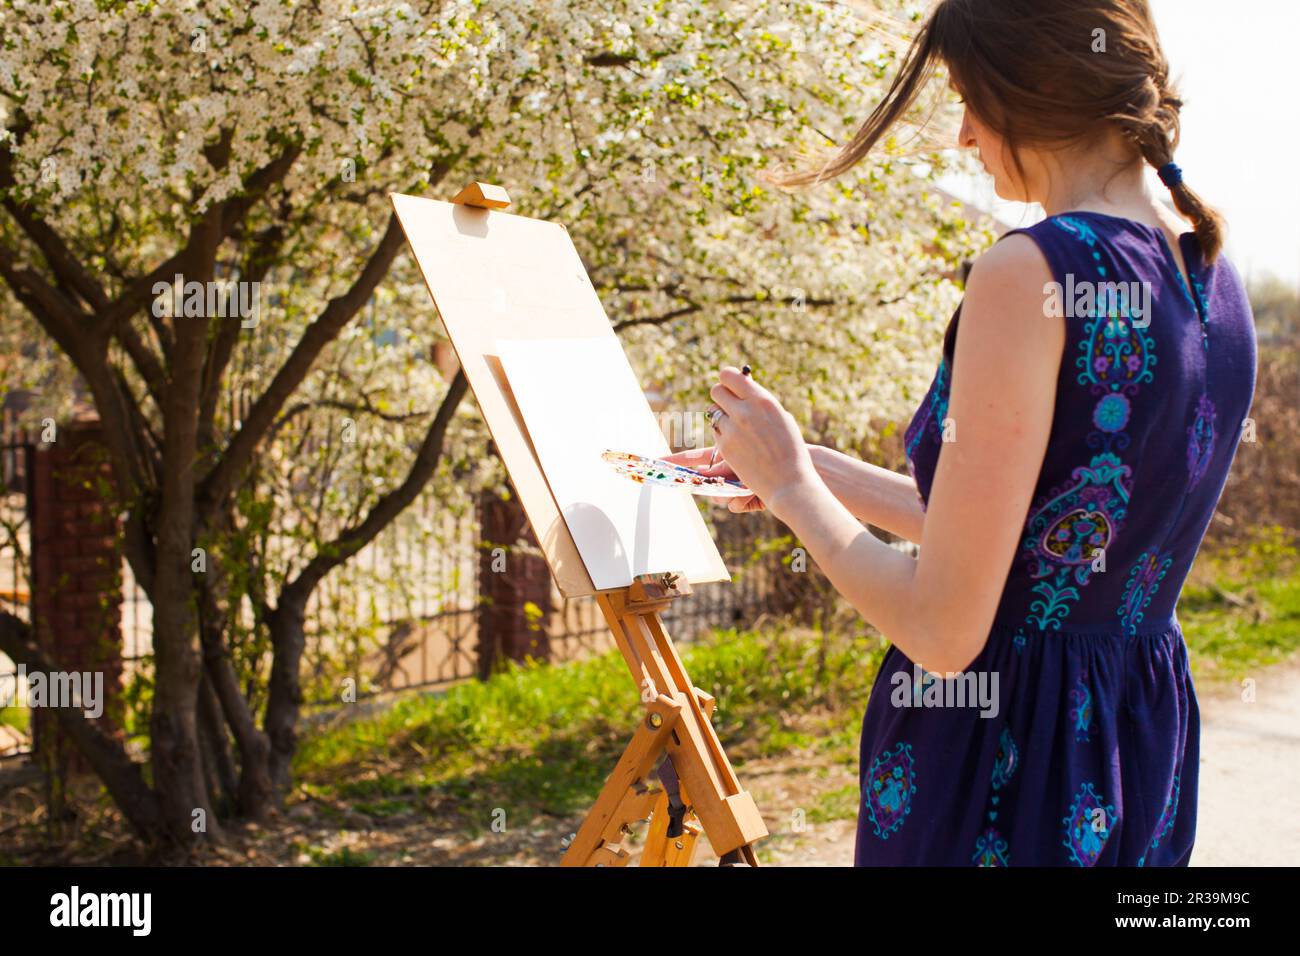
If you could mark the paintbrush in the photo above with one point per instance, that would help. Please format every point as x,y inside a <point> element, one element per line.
<point>744,370</point>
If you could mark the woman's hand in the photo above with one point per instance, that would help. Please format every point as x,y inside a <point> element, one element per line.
<point>759,440</point>
<point>698,458</point>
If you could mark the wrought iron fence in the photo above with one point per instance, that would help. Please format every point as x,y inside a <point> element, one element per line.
<point>16,449</point>
<point>429,638</point>
<point>402,614</point>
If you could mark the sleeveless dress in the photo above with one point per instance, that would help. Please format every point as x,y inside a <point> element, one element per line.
<point>1083,749</point>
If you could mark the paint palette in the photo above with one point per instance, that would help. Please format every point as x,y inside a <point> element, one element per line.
<point>656,471</point>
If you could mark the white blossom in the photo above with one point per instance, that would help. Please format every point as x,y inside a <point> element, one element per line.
<point>644,127</point>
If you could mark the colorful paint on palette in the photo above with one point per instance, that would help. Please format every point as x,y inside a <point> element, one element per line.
<point>656,471</point>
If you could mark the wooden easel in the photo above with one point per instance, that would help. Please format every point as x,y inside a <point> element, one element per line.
<point>697,789</point>
<point>676,727</point>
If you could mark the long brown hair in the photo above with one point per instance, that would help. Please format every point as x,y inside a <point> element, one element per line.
<point>1043,73</point>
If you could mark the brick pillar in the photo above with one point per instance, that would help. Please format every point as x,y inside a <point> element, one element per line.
<point>76,577</point>
<point>505,629</point>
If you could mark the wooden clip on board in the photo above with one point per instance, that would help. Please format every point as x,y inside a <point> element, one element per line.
<point>554,387</point>
<point>483,195</point>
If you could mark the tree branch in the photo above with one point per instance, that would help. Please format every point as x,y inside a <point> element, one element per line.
<point>67,270</point>
<point>221,479</point>
<point>138,294</point>
<point>388,507</point>
<point>106,756</point>
<point>729,300</point>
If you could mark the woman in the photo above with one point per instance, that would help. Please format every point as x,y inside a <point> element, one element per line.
<point>1036,706</point>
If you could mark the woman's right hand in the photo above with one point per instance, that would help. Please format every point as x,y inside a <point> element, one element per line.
<point>698,458</point>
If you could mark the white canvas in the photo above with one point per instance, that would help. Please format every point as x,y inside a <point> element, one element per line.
<point>579,397</point>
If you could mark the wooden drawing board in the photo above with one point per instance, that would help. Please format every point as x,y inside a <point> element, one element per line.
<point>622,528</point>
<point>497,276</point>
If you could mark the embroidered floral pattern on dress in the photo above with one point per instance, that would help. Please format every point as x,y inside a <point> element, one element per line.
<point>1083,232</point>
<point>1116,358</point>
<point>1065,533</point>
<point>990,849</point>
<point>1079,521</point>
<point>1111,413</point>
<point>1203,312</point>
<point>888,790</point>
<point>1081,712</point>
<point>1088,826</point>
<point>1143,581</point>
<point>1166,821</point>
<point>934,411</point>
<point>1200,441</point>
<point>1004,767</point>
<point>990,846</point>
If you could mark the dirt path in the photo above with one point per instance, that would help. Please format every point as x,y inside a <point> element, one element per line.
<point>1249,783</point>
<point>1250,774</point>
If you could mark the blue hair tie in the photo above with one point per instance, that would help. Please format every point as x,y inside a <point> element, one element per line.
<point>1170,174</point>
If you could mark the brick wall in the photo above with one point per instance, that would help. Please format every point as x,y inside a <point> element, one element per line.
<point>76,572</point>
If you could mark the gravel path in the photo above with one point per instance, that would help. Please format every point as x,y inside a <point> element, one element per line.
<point>1250,774</point>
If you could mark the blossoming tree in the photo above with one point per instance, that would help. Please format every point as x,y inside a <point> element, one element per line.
<point>152,149</point>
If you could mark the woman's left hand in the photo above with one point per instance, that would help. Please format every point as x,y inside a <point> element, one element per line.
<point>758,438</point>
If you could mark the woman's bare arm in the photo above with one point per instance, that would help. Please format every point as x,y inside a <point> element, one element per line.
<point>872,494</point>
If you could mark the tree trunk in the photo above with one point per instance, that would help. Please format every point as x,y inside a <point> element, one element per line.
<point>254,792</point>
<point>288,640</point>
<point>177,770</point>
<point>222,778</point>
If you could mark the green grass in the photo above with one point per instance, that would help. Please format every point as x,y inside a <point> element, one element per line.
<point>539,740</point>
<point>19,718</point>
<point>343,857</point>
<point>1233,629</point>
<point>1240,609</point>
<point>840,804</point>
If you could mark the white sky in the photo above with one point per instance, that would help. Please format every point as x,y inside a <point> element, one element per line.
<point>1235,64</point>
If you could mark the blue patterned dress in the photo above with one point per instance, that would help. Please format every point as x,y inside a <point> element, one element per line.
<point>1083,749</point>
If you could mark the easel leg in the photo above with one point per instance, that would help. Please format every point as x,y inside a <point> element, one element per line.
<point>726,812</point>
<point>664,850</point>
<point>624,800</point>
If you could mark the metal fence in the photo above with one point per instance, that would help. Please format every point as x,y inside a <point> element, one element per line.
<point>426,634</point>
<point>16,450</point>
<point>402,614</point>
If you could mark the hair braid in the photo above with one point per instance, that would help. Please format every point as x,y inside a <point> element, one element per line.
<point>1153,123</point>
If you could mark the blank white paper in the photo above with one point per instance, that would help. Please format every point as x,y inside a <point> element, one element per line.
<point>579,397</point>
